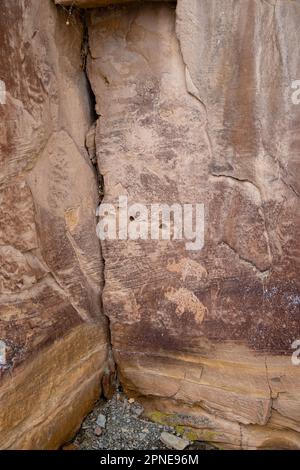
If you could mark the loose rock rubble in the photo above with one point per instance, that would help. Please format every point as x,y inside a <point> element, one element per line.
<point>118,424</point>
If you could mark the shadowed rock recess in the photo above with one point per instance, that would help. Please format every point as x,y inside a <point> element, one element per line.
<point>194,105</point>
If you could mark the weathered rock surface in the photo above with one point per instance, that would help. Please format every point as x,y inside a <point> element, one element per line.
<point>51,324</point>
<point>100,3</point>
<point>195,107</point>
<point>203,114</point>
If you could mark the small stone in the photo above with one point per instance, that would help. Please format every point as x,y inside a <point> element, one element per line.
<point>145,430</point>
<point>137,411</point>
<point>173,442</point>
<point>98,431</point>
<point>101,421</point>
<point>131,400</point>
<point>2,353</point>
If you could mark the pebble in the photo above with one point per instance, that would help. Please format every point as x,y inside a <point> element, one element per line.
<point>98,431</point>
<point>173,442</point>
<point>137,412</point>
<point>101,421</point>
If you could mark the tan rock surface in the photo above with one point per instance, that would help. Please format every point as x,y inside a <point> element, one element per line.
<point>195,106</point>
<point>204,114</point>
<point>45,399</point>
<point>51,321</point>
<point>100,3</point>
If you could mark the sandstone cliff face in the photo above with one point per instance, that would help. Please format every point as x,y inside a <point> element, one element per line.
<point>195,107</point>
<point>101,3</point>
<point>51,325</point>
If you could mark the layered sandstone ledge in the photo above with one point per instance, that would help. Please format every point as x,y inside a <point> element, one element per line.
<point>195,107</point>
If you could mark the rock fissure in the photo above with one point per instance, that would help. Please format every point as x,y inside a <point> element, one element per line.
<point>110,378</point>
